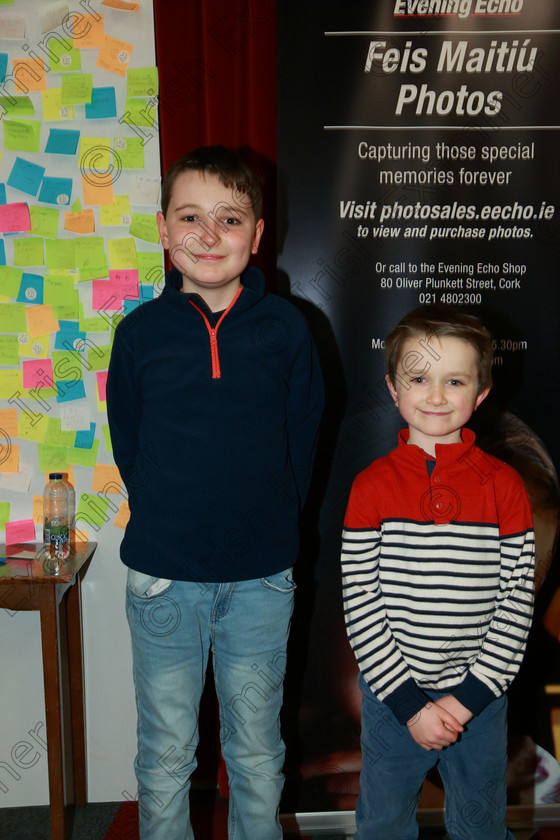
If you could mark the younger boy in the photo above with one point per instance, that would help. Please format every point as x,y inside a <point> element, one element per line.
<point>437,576</point>
<point>214,397</point>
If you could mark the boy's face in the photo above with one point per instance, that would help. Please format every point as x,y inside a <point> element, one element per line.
<point>437,389</point>
<point>210,236</point>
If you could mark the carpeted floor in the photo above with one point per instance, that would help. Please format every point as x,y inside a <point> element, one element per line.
<point>119,821</point>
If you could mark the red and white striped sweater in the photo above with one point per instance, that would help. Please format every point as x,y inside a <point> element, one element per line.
<point>437,564</point>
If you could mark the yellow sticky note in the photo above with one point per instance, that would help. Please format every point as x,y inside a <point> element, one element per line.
<point>76,88</point>
<point>35,346</point>
<point>9,462</point>
<point>40,319</point>
<point>114,55</point>
<point>142,81</point>
<point>96,190</point>
<point>117,213</point>
<point>11,383</point>
<point>83,222</point>
<point>106,479</point>
<point>56,437</point>
<point>29,74</point>
<point>95,153</point>
<point>122,253</point>
<point>53,109</point>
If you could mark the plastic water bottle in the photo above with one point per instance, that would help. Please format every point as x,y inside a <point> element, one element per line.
<point>55,518</point>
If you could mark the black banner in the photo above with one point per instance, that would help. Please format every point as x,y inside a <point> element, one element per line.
<point>418,164</point>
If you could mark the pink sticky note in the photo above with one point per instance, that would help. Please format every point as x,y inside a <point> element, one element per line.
<point>126,280</point>
<point>14,218</point>
<point>21,531</point>
<point>38,373</point>
<point>102,384</point>
<point>105,296</point>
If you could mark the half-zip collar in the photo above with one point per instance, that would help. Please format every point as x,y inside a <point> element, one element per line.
<point>213,333</point>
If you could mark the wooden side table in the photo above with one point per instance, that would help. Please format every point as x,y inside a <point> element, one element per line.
<point>29,582</point>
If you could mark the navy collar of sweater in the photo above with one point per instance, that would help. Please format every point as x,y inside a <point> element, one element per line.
<point>252,284</point>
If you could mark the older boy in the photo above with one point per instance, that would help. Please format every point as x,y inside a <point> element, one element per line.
<point>214,398</point>
<point>437,569</point>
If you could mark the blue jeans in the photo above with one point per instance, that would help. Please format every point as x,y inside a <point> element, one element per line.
<point>174,625</point>
<point>394,766</point>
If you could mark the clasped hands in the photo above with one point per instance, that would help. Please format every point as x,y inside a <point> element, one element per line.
<point>439,723</point>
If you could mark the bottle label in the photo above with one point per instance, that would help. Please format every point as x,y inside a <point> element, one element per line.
<point>57,539</point>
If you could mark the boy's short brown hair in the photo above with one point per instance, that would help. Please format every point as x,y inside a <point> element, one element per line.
<point>428,321</point>
<point>230,169</point>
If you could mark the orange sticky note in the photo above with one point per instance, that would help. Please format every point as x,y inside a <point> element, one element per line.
<point>97,190</point>
<point>37,513</point>
<point>29,74</point>
<point>106,479</point>
<point>88,31</point>
<point>123,5</point>
<point>9,457</point>
<point>122,516</point>
<point>83,222</point>
<point>114,55</point>
<point>40,319</point>
<point>8,423</point>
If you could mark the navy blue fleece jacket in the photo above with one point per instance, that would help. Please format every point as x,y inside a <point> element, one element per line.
<point>214,427</point>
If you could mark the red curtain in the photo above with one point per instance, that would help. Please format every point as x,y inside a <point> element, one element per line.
<point>217,70</point>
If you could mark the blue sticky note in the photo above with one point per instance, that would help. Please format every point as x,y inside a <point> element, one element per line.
<point>103,104</point>
<point>129,305</point>
<point>26,176</point>
<point>69,337</point>
<point>62,141</point>
<point>2,253</point>
<point>84,440</point>
<point>2,193</point>
<point>145,292</point>
<point>70,390</point>
<point>56,190</point>
<point>30,288</point>
<point>3,65</point>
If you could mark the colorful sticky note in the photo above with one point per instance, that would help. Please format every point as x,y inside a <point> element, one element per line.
<point>70,390</point>
<point>142,81</point>
<point>88,31</point>
<point>26,176</point>
<point>29,251</point>
<point>14,218</point>
<point>3,65</point>
<point>4,513</point>
<point>84,438</point>
<point>22,530</point>
<point>9,458</point>
<point>117,213</point>
<point>37,373</point>
<point>139,112</point>
<point>31,289</point>
<point>62,141</point>
<point>40,319</point>
<point>97,189</point>
<point>106,479</point>
<point>114,55</point>
<point>67,365</point>
<point>22,135</point>
<point>56,190</point>
<point>122,253</point>
<point>103,104</point>
<point>12,318</point>
<point>83,222</point>
<point>53,107</point>
<point>60,253</point>
<point>29,74</point>
<point>9,423</point>
<point>144,226</point>
<point>92,509</point>
<point>17,106</point>
<point>35,346</point>
<point>9,354</point>
<point>76,88</point>
<point>44,220</point>
<point>129,152</point>
<point>64,58</point>
<point>101,377</point>
<point>33,426</point>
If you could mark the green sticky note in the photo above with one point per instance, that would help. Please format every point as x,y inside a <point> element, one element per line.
<point>52,458</point>
<point>90,252</point>
<point>77,206</point>
<point>117,213</point>
<point>55,436</point>
<point>29,251</point>
<point>9,351</point>
<point>98,357</point>
<point>17,106</point>
<point>129,152</point>
<point>57,288</point>
<point>33,426</point>
<point>83,457</point>
<point>107,437</point>
<point>122,253</point>
<point>67,366</point>
<point>4,513</point>
<point>12,318</point>
<point>22,135</point>
<point>150,267</point>
<point>11,383</point>
<point>76,88</point>
<point>10,280</point>
<point>95,273</point>
<point>144,226</point>
<point>93,323</point>
<point>138,112</point>
<point>142,81</point>
<point>69,310</point>
<point>92,509</point>
<point>60,254</point>
<point>63,58</point>
<point>44,221</point>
